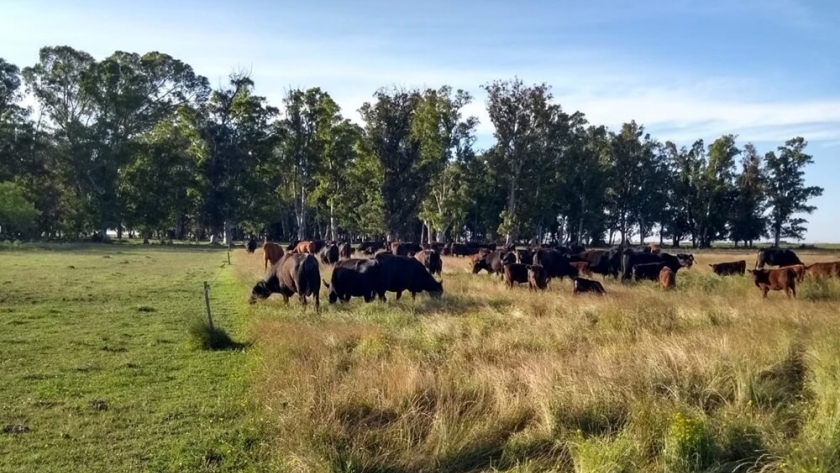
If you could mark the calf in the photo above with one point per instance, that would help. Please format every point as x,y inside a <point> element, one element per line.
<point>647,271</point>
<point>515,273</point>
<point>667,279</point>
<point>588,285</point>
<point>537,278</point>
<point>775,280</point>
<point>272,253</point>
<point>824,270</point>
<point>733,267</point>
<point>251,246</point>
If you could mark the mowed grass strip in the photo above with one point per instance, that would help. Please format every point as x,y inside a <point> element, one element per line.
<point>708,377</point>
<point>96,363</point>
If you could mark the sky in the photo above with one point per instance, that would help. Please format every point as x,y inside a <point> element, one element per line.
<point>765,70</point>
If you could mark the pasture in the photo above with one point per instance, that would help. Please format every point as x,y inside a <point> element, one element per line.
<point>97,363</point>
<point>708,377</point>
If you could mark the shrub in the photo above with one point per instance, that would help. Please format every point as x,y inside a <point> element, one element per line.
<point>689,446</point>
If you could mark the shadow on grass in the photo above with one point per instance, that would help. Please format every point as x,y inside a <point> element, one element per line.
<point>204,337</point>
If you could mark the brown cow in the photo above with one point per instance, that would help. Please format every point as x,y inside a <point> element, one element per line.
<point>588,285</point>
<point>799,269</point>
<point>537,278</point>
<point>667,279</point>
<point>306,246</point>
<point>732,267</point>
<point>782,279</point>
<point>582,267</point>
<point>824,270</point>
<point>272,253</point>
<point>293,274</point>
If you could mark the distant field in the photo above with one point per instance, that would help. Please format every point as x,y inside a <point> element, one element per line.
<point>706,378</point>
<point>96,362</point>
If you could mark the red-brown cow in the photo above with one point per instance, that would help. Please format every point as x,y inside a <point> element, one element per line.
<point>782,279</point>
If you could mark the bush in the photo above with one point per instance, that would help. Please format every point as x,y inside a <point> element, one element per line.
<point>203,337</point>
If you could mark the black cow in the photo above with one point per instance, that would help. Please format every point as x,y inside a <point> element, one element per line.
<point>647,271</point>
<point>555,263</point>
<point>776,257</point>
<point>295,273</point>
<point>588,285</point>
<point>515,273</point>
<point>603,262</point>
<point>430,260</point>
<point>345,250</point>
<point>405,248</point>
<point>329,254</point>
<point>354,278</point>
<point>371,247</point>
<point>631,258</point>
<point>733,267</point>
<point>492,262</point>
<point>401,273</point>
<point>460,249</point>
<point>524,256</point>
<point>251,246</point>
<point>576,248</point>
<point>687,259</point>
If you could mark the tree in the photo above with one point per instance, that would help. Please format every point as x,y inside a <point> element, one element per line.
<point>392,143</point>
<point>786,190</point>
<point>17,214</point>
<point>521,118</point>
<point>747,222</point>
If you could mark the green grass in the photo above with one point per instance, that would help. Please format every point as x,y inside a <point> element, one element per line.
<point>97,363</point>
<point>108,362</point>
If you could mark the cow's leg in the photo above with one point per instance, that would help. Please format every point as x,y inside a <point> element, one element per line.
<point>317,303</point>
<point>765,290</point>
<point>285,298</point>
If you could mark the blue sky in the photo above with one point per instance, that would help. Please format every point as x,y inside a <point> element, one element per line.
<point>766,70</point>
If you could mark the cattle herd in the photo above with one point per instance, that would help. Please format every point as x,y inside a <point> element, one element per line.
<point>402,266</point>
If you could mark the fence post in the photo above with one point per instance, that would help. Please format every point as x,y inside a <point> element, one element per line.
<point>207,304</point>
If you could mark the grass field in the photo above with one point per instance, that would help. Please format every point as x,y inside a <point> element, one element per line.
<point>706,378</point>
<point>97,362</point>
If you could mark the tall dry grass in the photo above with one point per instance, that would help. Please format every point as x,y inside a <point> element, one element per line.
<point>708,377</point>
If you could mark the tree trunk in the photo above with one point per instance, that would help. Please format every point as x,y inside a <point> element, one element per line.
<point>777,237</point>
<point>332,220</point>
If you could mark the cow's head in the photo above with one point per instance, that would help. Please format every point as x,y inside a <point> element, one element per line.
<point>260,291</point>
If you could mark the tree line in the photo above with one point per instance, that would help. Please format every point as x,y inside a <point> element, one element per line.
<point>142,143</point>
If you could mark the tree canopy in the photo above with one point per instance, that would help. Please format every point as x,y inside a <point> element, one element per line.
<point>141,143</point>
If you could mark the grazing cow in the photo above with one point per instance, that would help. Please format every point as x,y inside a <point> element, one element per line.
<point>329,254</point>
<point>647,271</point>
<point>686,259</point>
<point>555,263</point>
<point>537,279</point>
<point>776,257</point>
<point>603,262</point>
<point>405,249</point>
<point>460,249</point>
<point>667,279</point>
<point>515,273</point>
<point>371,247</point>
<point>353,278</point>
<point>824,270</point>
<point>524,256</point>
<point>798,269</point>
<point>251,246</point>
<point>430,260</point>
<point>582,267</point>
<point>345,251</point>
<point>632,258</point>
<point>775,280</point>
<point>588,285</point>
<point>401,273</point>
<point>733,267</point>
<point>294,274</point>
<point>272,252</point>
<point>492,262</point>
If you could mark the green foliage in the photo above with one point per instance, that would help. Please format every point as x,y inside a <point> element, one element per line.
<point>786,190</point>
<point>689,445</point>
<point>17,214</point>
